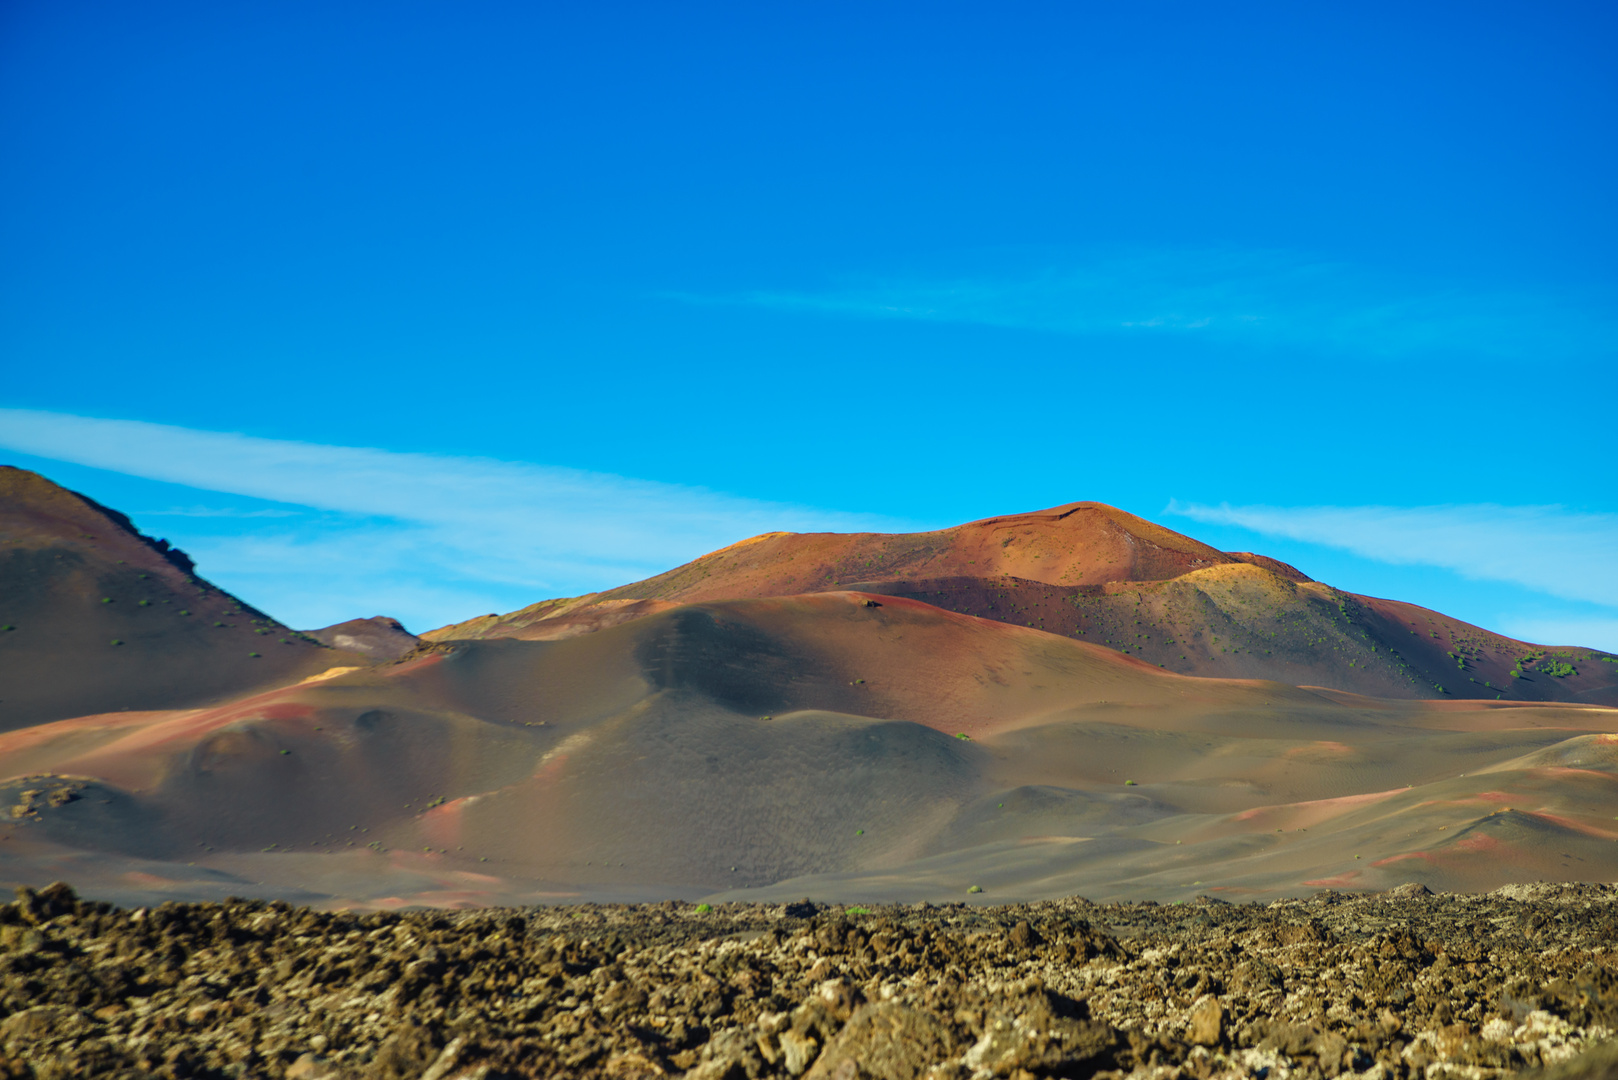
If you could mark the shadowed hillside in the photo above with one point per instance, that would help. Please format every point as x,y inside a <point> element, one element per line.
<point>914,738</point>
<point>836,744</point>
<point>97,617</point>
<point>1098,574</point>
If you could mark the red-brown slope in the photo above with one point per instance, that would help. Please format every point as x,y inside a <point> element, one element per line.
<point>761,733</point>
<point>98,618</point>
<point>739,743</point>
<point>1079,544</point>
<point>1095,573</point>
<point>1242,621</point>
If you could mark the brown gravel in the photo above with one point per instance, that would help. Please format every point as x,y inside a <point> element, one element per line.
<point>1399,984</point>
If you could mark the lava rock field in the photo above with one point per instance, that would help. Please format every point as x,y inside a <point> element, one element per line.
<point>1398,984</point>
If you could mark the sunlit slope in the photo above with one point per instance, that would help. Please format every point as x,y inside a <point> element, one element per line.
<point>763,734</point>
<point>98,617</point>
<point>1212,814</point>
<point>1243,621</point>
<point>761,747</point>
<point>1072,545</point>
<point>1097,574</point>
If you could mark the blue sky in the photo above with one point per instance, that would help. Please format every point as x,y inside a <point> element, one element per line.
<point>431,309</point>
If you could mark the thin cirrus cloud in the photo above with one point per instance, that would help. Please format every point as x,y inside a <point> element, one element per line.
<point>220,512</point>
<point>454,533</point>
<point>1251,297</point>
<point>1551,550</point>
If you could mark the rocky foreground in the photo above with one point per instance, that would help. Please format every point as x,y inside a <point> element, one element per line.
<point>1399,984</point>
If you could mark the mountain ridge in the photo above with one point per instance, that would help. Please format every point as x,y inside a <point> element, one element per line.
<point>1093,572</point>
<point>904,738</point>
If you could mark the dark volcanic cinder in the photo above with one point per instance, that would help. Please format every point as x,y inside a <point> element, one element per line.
<point>1400,984</point>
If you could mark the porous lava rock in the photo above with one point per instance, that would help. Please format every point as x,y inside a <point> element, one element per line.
<point>1401,984</point>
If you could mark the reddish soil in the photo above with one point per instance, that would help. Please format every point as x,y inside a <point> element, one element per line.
<point>1095,573</point>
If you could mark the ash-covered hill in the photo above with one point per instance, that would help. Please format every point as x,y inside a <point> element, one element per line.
<point>95,617</point>
<point>864,744</point>
<point>1098,574</point>
<point>833,745</point>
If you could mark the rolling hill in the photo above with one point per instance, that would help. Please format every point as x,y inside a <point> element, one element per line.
<point>95,617</point>
<point>839,744</point>
<point>1098,574</point>
<point>667,740</point>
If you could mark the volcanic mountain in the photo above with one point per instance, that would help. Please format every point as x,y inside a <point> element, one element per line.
<point>1095,573</point>
<point>840,743</point>
<point>95,617</point>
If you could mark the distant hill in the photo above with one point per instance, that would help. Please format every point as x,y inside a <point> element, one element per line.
<point>989,707</point>
<point>378,637</point>
<point>1096,573</point>
<point>98,618</point>
<point>840,744</point>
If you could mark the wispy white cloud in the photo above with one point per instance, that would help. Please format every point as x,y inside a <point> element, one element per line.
<point>445,529</point>
<point>1256,297</point>
<point>1545,548</point>
<point>217,512</point>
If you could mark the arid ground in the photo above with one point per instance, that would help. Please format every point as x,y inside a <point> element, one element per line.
<point>817,806</point>
<point>701,738</point>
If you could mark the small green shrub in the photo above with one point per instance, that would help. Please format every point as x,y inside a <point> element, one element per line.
<point>703,909</point>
